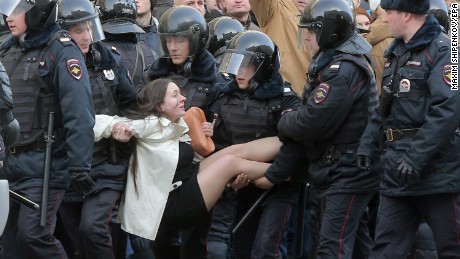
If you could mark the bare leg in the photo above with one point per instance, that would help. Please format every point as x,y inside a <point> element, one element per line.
<point>214,177</point>
<point>262,150</point>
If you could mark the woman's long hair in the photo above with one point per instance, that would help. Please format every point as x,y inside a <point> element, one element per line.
<point>149,102</point>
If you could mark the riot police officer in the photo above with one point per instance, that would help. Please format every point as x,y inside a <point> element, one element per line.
<point>84,215</point>
<point>221,30</point>
<point>9,126</point>
<point>340,88</point>
<point>118,20</point>
<point>438,8</point>
<point>47,73</point>
<point>419,108</point>
<point>252,97</point>
<point>184,37</point>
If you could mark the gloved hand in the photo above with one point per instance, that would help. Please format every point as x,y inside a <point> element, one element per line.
<point>81,181</point>
<point>407,174</point>
<point>363,162</point>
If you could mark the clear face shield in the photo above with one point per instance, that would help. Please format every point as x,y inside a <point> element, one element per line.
<point>92,26</point>
<point>305,32</point>
<point>242,66</point>
<point>12,7</point>
<point>179,38</point>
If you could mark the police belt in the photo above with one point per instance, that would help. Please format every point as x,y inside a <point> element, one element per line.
<point>36,144</point>
<point>396,134</point>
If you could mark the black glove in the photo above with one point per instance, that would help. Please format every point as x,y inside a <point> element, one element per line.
<point>363,162</point>
<point>407,174</point>
<point>81,181</point>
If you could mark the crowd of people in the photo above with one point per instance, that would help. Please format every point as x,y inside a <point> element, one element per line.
<point>333,124</point>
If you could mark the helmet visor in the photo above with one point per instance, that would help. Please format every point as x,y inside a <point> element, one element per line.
<point>91,27</point>
<point>12,7</point>
<point>304,31</point>
<point>177,40</point>
<point>240,65</point>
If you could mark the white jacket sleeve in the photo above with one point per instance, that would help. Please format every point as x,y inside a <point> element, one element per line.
<point>103,126</point>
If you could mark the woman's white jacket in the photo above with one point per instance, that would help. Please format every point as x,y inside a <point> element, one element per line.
<point>157,155</point>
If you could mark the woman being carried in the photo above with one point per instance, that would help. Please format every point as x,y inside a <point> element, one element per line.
<point>164,185</point>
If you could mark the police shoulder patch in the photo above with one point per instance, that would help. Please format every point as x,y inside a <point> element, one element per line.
<point>321,93</point>
<point>74,68</point>
<point>447,74</point>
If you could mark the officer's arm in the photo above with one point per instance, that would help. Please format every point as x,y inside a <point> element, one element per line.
<point>74,92</point>
<point>290,160</point>
<point>443,117</point>
<point>125,90</point>
<point>326,109</point>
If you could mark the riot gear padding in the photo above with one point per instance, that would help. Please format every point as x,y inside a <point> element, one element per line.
<point>80,12</point>
<point>222,30</point>
<point>438,9</point>
<point>118,16</point>
<point>332,21</point>
<point>251,48</point>
<point>187,22</point>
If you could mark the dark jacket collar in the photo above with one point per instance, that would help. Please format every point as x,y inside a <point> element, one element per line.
<point>203,68</point>
<point>427,33</point>
<point>32,40</point>
<point>264,90</point>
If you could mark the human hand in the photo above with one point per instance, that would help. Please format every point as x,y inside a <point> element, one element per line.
<point>122,133</point>
<point>208,129</point>
<point>81,181</point>
<point>240,181</point>
<point>363,162</point>
<point>263,183</point>
<point>407,174</point>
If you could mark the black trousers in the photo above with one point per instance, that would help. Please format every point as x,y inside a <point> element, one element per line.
<point>88,223</point>
<point>339,224</point>
<point>23,237</point>
<point>399,218</point>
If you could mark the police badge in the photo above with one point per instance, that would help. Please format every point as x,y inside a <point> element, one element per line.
<point>109,75</point>
<point>447,74</point>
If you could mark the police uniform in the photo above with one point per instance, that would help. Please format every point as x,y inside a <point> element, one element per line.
<point>420,124</point>
<point>135,56</point>
<point>150,37</point>
<point>47,73</point>
<point>112,92</point>
<point>341,87</point>
<point>244,116</point>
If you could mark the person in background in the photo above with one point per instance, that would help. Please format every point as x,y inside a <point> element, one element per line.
<point>379,37</point>
<point>240,10</point>
<point>4,31</point>
<point>420,119</point>
<point>148,23</point>
<point>278,19</point>
<point>118,18</point>
<point>197,4</point>
<point>48,74</point>
<point>161,7</point>
<point>363,21</point>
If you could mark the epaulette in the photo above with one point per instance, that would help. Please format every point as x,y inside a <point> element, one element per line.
<point>114,50</point>
<point>441,44</point>
<point>226,76</point>
<point>335,67</point>
<point>287,89</point>
<point>65,39</point>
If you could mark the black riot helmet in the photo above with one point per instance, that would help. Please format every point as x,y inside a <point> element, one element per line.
<point>81,13</point>
<point>118,16</point>
<point>221,30</point>
<point>251,49</point>
<point>183,21</point>
<point>438,9</point>
<point>39,14</point>
<point>333,22</point>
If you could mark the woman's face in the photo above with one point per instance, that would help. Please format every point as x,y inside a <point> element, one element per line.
<point>17,22</point>
<point>81,34</point>
<point>178,48</point>
<point>363,22</point>
<point>173,106</point>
